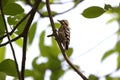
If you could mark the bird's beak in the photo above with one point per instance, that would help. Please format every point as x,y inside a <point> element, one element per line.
<point>58,20</point>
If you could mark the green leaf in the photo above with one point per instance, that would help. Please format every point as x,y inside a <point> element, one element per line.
<point>76,2</point>
<point>54,50</point>
<point>111,20</point>
<point>13,9</point>
<point>2,28</point>
<point>2,76</point>
<point>22,25</point>
<point>2,53</point>
<point>108,53</point>
<point>93,77</point>
<point>69,52</point>
<point>41,5</point>
<point>118,62</point>
<point>93,12</point>
<point>51,1</point>
<point>107,7</point>
<point>108,77</point>
<point>4,2</point>
<point>43,49</point>
<point>32,32</point>
<point>45,13</point>
<point>12,20</point>
<point>28,73</point>
<point>56,62</point>
<point>19,41</point>
<point>117,48</point>
<point>57,25</point>
<point>39,70</point>
<point>34,64</point>
<point>8,66</point>
<point>57,74</point>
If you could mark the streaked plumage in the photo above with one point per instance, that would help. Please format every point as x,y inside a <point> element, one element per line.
<point>64,33</point>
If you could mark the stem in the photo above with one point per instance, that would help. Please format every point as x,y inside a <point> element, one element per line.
<point>60,46</point>
<point>13,30</point>
<point>8,36</point>
<point>25,35</point>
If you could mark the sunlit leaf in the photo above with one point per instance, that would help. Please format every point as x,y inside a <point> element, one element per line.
<point>118,47</point>
<point>51,1</point>
<point>93,77</point>
<point>45,13</point>
<point>56,74</point>
<point>118,61</point>
<point>77,1</point>
<point>42,67</point>
<point>13,9</point>
<point>39,70</point>
<point>2,28</point>
<point>19,41</point>
<point>108,77</point>
<point>56,62</point>
<point>54,47</point>
<point>34,62</point>
<point>41,5</point>
<point>12,20</point>
<point>69,52</point>
<point>93,12</point>
<point>42,47</point>
<point>2,53</point>
<point>22,25</point>
<point>32,32</point>
<point>107,54</point>
<point>28,73</point>
<point>57,25</point>
<point>107,7</point>
<point>4,2</point>
<point>8,66</point>
<point>111,20</point>
<point>2,76</point>
<point>116,10</point>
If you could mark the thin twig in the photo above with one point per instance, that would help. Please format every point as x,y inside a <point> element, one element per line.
<point>42,15</point>
<point>12,40</point>
<point>60,46</point>
<point>16,26</point>
<point>8,36</point>
<point>25,35</point>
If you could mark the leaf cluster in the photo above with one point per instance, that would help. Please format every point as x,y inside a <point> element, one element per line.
<point>16,19</point>
<point>96,11</point>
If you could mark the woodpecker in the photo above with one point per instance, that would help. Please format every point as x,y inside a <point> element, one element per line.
<point>64,33</point>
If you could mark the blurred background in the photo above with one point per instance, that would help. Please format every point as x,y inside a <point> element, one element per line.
<point>93,42</point>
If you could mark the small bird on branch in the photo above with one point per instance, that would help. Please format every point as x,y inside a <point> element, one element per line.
<point>64,33</point>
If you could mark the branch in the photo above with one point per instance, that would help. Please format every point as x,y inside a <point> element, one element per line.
<point>13,30</point>
<point>60,46</point>
<point>25,35</point>
<point>4,44</point>
<point>8,36</point>
<point>42,15</point>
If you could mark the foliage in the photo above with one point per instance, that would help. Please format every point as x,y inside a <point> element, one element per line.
<point>16,19</point>
<point>98,11</point>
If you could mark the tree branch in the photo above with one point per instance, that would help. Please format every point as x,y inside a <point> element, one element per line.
<point>25,35</point>
<point>8,36</point>
<point>13,30</point>
<point>60,46</point>
<point>42,15</point>
<point>16,38</point>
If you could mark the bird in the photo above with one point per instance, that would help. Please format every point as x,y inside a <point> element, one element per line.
<point>64,33</point>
